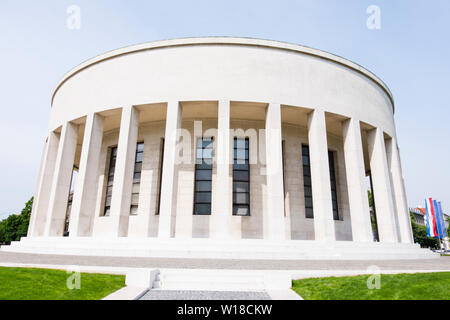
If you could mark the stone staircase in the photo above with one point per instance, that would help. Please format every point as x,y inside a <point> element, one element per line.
<point>220,249</point>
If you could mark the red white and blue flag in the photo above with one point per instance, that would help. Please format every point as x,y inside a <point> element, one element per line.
<point>431,218</point>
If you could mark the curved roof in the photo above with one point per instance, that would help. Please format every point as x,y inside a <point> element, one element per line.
<point>226,41</point>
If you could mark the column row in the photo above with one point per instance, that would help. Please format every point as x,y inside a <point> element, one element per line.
<point>49,210</point>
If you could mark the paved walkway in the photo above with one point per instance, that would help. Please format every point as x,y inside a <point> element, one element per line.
<point>204,295</point>
<point>432,264</point>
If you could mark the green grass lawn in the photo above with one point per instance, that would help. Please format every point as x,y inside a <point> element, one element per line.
<point>421,286</point>
<point>43,284</point>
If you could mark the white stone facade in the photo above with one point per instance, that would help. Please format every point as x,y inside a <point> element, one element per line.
<point>281,96</point>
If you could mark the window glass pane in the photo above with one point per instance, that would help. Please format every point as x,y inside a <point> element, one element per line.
<point>240,175</point>
<point>203,175</point>
<point>240,143</point>
<point>240,167</point>
<point>207,154</point>
<point>241,198</point>
<point>203,197</point>
<point>202,209</point>
<point>137,177</point>
<point>110,182</point>
<point>333,185</point>
<point>308,202</point>
<point>240,154</point>
<point>199,153</point>
<point>135,199</point>
<point>305,160</point>
<point>136,188</point>
<point>108,201</point>
<point>307,171</point>
<point>241,210</point>
<point>140,147</point>
<point>139,157</point>
<point>138,167</point>
<point>309,213</point>
<point>107,211</point>
<point>204,165</point>
<point>308,192</point>
<point>241,187</point>
<point>134,210</point>
<point>307,181</point>
<point>203,186</point>
<point>207,143</point>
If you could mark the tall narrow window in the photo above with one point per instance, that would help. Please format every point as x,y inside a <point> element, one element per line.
<point>334,197</point>
<point>309,210</point>
<point>161,163</point>
<point>109,186</point>
<point>241,177</point>
<point>137,178</point>
<point>203,176</point>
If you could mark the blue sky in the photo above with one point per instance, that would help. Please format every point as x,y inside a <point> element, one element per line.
<point>410,53</point>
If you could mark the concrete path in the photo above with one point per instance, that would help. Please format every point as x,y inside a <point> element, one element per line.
<point>433,264</point>
<point>204,295</point>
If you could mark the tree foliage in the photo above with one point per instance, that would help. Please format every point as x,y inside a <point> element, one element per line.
<point>421,237</point>
<point>16,226</point>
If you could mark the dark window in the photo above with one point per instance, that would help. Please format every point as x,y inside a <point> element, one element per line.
<point>161,163</point>
<point>109,185</point>
<point>137,178</point>
<point>203,176</point>
<point>334,197</point>
<point>309,211</point>
<point>241,178</point>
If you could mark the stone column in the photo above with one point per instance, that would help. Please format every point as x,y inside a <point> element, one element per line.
<point>221,195</point>
<point>42,194</point>
<point>123,174</point>
<point>166,227</point>
<point>401,203</point>
<point>320,177</point>
<point>62,177</point>
<point>382,190</point>
<point>356,182</point>
<point>274,228</point>
<point>85,193</point>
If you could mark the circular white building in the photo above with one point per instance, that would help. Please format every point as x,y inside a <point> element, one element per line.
<point>221,148</point>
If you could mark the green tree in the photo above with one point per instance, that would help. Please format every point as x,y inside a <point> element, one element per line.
<point>420,235</point>
<point>16,226</point>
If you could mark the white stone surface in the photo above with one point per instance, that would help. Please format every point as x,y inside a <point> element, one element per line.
<point>356,181</point>
<point>123,174</point>
<point>167,211</point>
<point>382,187</point>
<point>148,92</point>
<point>59,191</point>
<point>83,206</point>
<point>320,177</point>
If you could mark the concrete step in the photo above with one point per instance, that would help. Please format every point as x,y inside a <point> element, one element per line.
<point>206,249</point>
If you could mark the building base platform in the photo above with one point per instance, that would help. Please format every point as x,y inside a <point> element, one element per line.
<point>246,249</point>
